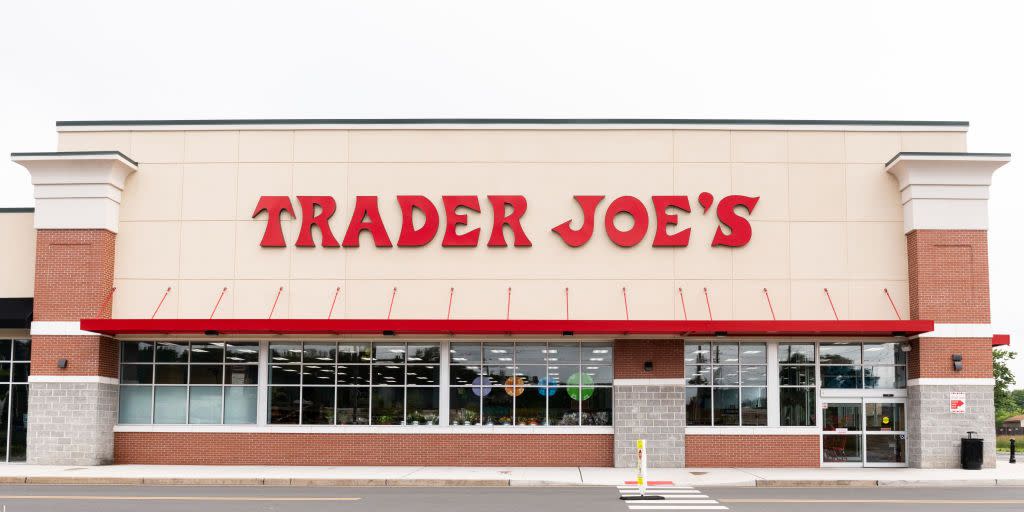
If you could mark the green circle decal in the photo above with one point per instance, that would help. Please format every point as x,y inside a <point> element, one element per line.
<point>581,386</point>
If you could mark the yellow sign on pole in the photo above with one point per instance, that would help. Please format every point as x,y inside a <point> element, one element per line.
<point>641,466</point>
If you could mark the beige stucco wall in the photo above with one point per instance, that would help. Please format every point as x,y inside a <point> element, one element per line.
<point>18,259</point>
<point>828,216</point>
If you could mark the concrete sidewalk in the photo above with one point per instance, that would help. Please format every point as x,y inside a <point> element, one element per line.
<point>1003,474</point>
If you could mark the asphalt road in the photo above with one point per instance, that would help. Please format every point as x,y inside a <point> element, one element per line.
<point>29,498</point>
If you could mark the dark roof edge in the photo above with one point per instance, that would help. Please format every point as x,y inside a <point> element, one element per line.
<point>944,153</point>
<point>75,153</point>
<point>27,209</point>
<point>514,121</point>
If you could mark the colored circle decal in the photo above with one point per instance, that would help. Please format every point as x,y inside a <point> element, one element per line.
<point>545,389</point>
<point>481,386</point>
<point>581,386</point>
<point>514,386</point>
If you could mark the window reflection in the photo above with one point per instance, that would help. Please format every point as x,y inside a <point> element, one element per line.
<point>530,383</point>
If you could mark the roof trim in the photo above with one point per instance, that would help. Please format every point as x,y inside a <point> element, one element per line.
<point>505,121</point>
<point>71,154</point>
<point>264,326</point>
<point>27,209</point>
<point>946,154</point>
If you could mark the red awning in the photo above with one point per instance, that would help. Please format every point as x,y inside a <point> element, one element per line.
<point>1000,340</point>
<point>120,326</point>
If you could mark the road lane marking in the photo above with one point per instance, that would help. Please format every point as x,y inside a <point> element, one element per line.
<point>662,491</point>
<point>176,498</point>
<point>651,487</point>
<point>669,496</point>
<point>895,501</point>
<point>677,507</point>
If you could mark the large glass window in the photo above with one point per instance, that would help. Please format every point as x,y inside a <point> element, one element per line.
<point>354,383</point>
<point>726,383</point>
<point>14,369</point>
<point>530,383</point>
<point>797,385</point>
<point>188,382</point>
<point>852,365</point>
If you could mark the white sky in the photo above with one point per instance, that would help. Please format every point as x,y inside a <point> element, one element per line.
<point>907,60</point>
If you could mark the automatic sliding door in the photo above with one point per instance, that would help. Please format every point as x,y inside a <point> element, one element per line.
<point>841,441</point>
<point>885,436</point>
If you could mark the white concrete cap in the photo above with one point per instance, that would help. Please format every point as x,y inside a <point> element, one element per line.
<point>77,189</point>
<point>945,190</point>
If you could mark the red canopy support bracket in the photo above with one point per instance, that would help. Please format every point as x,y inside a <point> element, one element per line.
<point>625,302</point>
<point>683,302</point>
<point>566,302</point>
<point>161,303</point>
<point>769,299</point>
<point>335,299</point>
<point>451,298</point>
<point>217,305</point>
<point>107,302</point>
<point>394,291</point>
<point>508,304</point>
<point>893,304</point>
<point>274,306</point>
<point>833,306</point>
<point>707,300</point>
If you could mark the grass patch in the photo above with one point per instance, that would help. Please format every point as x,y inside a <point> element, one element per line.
<point>1003,443</point>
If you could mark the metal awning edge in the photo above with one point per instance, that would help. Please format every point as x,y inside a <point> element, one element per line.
<point>125,326</point>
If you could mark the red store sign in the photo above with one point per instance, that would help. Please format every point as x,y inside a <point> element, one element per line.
<point>317,210</point>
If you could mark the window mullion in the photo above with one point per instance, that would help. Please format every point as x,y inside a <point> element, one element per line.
<point>443,386</point>
<point>772,370</point>
<point>262,387</point>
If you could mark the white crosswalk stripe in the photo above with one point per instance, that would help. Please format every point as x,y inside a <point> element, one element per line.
<point>676,497</point>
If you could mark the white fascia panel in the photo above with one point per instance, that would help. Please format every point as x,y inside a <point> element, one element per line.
<point>959,331</point>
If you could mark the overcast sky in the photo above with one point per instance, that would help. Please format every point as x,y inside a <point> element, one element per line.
<point>904,60</point>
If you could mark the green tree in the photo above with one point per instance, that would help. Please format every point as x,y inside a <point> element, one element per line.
<point>1017,396</point>
<point>1005,404</point>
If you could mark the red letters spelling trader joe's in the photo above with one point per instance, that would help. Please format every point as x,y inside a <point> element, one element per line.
<point>508,210</point>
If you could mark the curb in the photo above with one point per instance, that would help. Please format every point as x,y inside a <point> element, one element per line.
<point>433,482</point>
<point>816,483</point>
<point>285,482</point>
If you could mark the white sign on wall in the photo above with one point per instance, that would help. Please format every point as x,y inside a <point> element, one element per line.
<point>957,402</point>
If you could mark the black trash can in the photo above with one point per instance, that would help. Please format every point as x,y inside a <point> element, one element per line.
<point>972,451</point>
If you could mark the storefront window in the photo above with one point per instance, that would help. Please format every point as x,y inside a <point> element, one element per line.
<point>530,383</point>
<point>354,383</point>
<point>14,371</point>
<point>188,382</point>
<point>846,365</point>
<point>796,385</point>
<point>726,384</point>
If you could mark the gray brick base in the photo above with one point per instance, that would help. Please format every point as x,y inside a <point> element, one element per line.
<point>652,412</point>
<point>71,423</point>
<point>934,433</point>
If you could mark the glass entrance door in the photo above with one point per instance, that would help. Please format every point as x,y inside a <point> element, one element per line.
<point>885,433</point>
<point>864,432</point>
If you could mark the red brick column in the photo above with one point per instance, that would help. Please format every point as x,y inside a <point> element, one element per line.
<point>945,211</point>
<point>73,390</point>
<point>74,278</point>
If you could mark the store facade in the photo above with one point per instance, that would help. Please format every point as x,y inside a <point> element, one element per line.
<point>488,292</point>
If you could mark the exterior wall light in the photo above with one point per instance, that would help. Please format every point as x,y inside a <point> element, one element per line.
<point>648,366</point>
<point>958,362</point>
